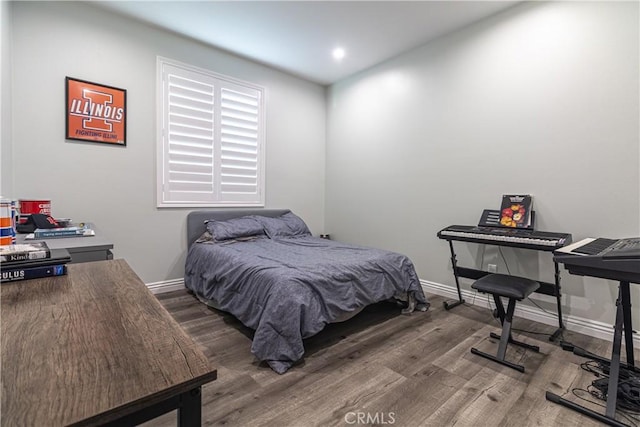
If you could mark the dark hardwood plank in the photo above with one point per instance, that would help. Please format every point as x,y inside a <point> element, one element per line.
<point>416,369</point>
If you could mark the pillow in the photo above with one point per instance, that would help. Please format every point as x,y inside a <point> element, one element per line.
<point>286,225</point>
<point>235,228</point>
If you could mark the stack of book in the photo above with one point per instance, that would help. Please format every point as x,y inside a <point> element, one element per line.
<point>31,261</point>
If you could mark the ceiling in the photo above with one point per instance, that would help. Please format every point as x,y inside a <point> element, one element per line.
<point>298,36</point>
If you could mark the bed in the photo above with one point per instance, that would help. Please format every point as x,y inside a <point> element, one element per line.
<point>264,267</point>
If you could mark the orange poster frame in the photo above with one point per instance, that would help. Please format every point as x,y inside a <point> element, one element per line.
<point>95,112</point>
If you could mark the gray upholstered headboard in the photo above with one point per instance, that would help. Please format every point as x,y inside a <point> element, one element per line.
<point>196,219</point>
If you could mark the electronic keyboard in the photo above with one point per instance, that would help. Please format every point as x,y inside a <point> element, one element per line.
<point>503,236</point>
<point>614,259</point>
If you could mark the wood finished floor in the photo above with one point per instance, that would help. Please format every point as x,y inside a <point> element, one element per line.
<point>396,370</point>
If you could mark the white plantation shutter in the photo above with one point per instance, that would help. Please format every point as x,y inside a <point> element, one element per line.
<point>188,137</point>
<point>211,143</point>
<point>239,142</point>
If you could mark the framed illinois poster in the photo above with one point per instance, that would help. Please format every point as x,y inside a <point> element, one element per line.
<point>95,112</point>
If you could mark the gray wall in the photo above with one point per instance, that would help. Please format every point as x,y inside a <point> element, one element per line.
<point>531,100</point>
<point>6,175</point>
<point>540,99</point>
<point>115,186</point>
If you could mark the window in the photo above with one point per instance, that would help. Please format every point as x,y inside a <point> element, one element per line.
<point>210,138</point>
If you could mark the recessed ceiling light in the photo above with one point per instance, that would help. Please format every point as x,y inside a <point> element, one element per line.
<point>338,53</point>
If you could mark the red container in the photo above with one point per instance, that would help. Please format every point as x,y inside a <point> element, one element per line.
<point>28,207</point>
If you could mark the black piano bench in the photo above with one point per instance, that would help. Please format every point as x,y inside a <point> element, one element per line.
<point>516,289</point>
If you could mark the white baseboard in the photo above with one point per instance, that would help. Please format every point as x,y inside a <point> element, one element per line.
<point>588,327</point>
<point>166,286</point>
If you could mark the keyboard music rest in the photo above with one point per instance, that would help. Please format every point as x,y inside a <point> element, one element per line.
<point>500,236</point>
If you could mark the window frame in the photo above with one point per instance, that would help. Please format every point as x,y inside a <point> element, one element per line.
<point>162,141</point>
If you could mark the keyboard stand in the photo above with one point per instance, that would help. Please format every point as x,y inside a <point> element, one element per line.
<point>454,263</point>
<point>623,324</point>
<point>546,288</point>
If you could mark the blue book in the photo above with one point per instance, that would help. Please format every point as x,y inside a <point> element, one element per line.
<point>13,275</point>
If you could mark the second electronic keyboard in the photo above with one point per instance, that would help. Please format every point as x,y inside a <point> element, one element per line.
<point>521,238</point>
<point>614,259</point>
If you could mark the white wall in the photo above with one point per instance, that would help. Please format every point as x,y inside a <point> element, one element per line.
<point>115,186</point>
<point>541,99</point>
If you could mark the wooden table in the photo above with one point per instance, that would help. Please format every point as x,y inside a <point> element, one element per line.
<point>95,347</point>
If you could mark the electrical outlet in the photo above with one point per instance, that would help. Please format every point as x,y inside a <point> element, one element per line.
<point>492,268</point>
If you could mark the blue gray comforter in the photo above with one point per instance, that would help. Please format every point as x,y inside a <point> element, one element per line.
<point>290,289</point>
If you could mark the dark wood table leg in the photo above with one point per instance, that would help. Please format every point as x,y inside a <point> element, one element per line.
<point>190,408</point>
